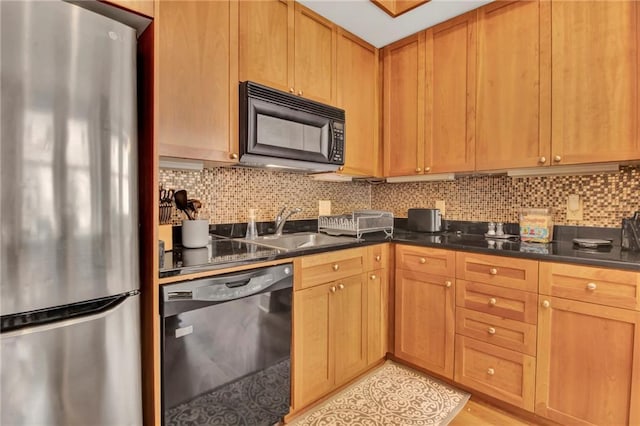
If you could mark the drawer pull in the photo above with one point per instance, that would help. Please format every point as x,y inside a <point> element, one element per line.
<point>491,330</point>
<point>378,258</point>
<point>493,271</point>
<point>423,260</point>
<point>373,277</point>
<point>340,286</point>
<point>336,267</point>
<point>332,289</point>
<point>447,284</point>
<point>492,301</point>
<point>546,304</point>
<point>491,371</point>
<point>591,286</point>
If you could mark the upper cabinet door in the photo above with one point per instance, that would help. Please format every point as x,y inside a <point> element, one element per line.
<point>595,81</point>
<point>513,105</point>
<point>143,7</point>
<point>197,80</point>
<point>358,95</point>
<point>315,56</point>
<point>451,96</point>
<point>403,104</point>
<point>264,48</point>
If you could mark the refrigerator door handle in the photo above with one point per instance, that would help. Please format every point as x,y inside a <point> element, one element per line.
<point>68,322</point>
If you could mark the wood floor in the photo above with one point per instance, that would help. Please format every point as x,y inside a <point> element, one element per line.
<point>477,412</point>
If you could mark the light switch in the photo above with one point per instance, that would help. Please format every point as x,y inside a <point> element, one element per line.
<point>574,207</point>
<point>324,207</point>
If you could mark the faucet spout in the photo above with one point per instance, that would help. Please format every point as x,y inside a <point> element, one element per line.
<point>281,220</point>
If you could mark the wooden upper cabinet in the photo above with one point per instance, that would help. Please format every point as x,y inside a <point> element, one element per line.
<point>403,106</point>
<point>595,60</point>
<point>513,105</point>
<point>358,95</point>
<point>315,56</point>
<point>288,47</point>
<point>197,80</point>
<point>142,7</point>
<point>451,96</point>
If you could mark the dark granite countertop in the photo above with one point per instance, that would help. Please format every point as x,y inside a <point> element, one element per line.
<point>224,251</point>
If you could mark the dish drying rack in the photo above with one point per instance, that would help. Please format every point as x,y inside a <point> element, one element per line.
<point>357,223</point>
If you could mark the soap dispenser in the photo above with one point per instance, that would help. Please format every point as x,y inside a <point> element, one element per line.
<point>252,231</point>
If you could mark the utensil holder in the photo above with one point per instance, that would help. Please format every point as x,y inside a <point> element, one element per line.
<point>195,233</point>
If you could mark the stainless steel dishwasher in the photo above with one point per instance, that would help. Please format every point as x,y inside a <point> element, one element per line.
<point>226,344</point>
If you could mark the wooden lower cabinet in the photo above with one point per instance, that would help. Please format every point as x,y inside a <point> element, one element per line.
<point>502,373</point>
<point>377,314</point>
<point>588,368</point>
<point>330,344</point>
<point>424,320</point>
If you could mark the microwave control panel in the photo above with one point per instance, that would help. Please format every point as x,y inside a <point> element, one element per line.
<point>337,154</point>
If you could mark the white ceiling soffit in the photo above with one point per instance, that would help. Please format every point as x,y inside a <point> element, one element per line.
<point>369,22</point>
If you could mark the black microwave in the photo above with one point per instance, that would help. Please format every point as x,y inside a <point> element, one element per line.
<point>281,130</point>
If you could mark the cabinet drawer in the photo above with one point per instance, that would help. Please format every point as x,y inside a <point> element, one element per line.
<point>326,267</point>
<point>377,257</point>
<point>506,333</point>
<point>502,271</point>
<point>508,303</point>
<point>609,287</point>
<point>426,259</point>
<point>501,373</point>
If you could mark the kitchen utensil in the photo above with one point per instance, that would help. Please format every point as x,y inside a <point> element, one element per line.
<point>180,198</point>
<point>591,242</point>
<point>424,220</point>
<point>166,195</point>
<point>194,206</point>
<point>195,233</point>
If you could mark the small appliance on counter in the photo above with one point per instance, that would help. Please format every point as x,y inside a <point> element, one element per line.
<point>424,220</point>
<point>631,233</point>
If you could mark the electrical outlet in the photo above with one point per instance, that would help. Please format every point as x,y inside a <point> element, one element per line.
<point>440,205</point>
<point>574,207</point>
<point>324,207</point>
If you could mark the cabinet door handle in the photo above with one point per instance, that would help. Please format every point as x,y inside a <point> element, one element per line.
<point>340,286</point>
<point>378,258</point>
<point>300,93</point>
<point>335,266</point>
<point>447,284</point>
<point>546,304</point>
<point>557,158</point>
<point>491,371</point>
<point>427,169</point>
<point>233,156</point>
<point>418,169</point>
<point>493,301</point>
<point>373,277</point>
<point>591,286</point>
<point>542,160</point>
<point>332,289</point>
<point>291,90</point>
<point>493,271</point>
<point>423,260</point>
<point>491,330</point>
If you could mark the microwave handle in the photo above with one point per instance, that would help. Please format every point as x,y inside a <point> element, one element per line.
<point>332,140</point>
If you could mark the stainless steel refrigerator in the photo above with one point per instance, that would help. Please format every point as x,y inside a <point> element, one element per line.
<point>70,337</point>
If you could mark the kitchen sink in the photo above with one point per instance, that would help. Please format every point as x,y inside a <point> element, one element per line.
<point>298,241</point>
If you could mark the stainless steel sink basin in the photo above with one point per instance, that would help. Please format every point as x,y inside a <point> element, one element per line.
<point>298,241</point>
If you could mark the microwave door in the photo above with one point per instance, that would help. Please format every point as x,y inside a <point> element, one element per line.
<point>277,131</point>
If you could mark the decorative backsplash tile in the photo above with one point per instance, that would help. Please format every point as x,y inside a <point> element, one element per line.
<point>228,193</point>
<point>607,198</point>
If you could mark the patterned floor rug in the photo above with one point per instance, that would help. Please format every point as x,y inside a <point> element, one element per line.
<point>391,395</point>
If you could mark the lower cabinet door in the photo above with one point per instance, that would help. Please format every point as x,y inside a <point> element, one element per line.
<point>313,370</point>
<point>502,373</point>
<point>424,323</point>
<point>350,328</point>
<point>588,363</point>
<point>377,315</point>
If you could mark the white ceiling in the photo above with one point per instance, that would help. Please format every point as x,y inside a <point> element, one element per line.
<point>367,21</point>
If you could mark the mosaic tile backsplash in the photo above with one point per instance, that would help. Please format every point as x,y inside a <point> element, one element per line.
<point>228,193</point>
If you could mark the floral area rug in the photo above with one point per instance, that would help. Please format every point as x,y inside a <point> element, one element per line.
<point>391,395</point>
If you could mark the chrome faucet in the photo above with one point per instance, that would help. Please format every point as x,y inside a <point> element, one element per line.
<point>281,220</point>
